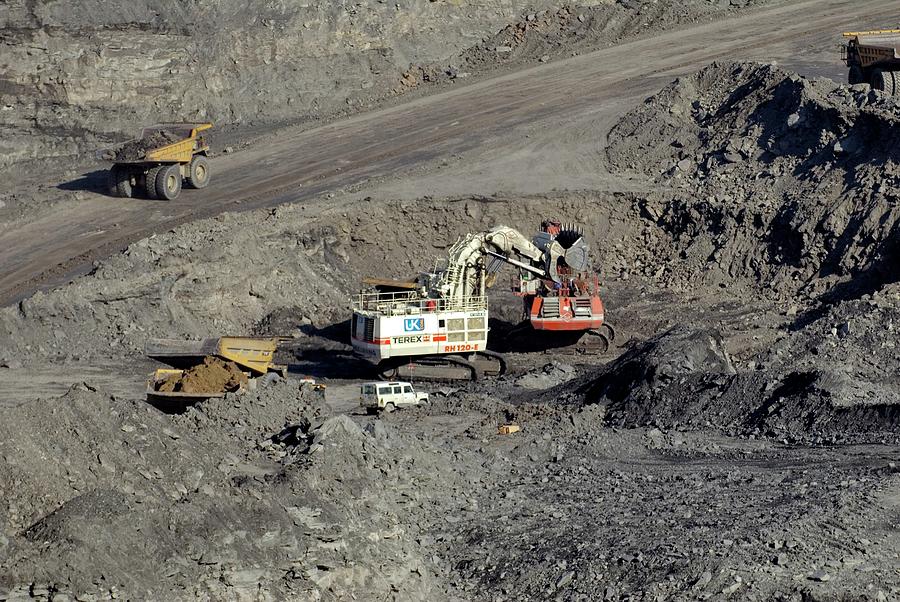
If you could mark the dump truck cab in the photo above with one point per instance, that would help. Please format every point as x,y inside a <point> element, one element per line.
<point>388,396</point>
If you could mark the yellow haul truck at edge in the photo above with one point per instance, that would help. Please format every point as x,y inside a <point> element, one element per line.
<point>873,57</point>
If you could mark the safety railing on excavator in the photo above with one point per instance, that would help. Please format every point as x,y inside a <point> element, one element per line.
<point>411,303</point>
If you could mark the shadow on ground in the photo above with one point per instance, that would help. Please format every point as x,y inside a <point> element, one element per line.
<point>92,181</point>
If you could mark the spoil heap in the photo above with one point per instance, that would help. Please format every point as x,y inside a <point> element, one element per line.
<point>781,181</point>
<point>216,503</point>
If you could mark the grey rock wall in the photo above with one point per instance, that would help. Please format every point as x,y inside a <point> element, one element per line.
<point>77,75</point>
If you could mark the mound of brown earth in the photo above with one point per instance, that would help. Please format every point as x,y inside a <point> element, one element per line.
<point>281,272</point>
<point>214,375</point>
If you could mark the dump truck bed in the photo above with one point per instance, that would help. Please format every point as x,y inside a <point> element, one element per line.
<point>875,47</point>
<point>163,143</point>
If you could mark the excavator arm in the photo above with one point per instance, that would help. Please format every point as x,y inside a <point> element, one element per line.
<point>546,253</point>
<point>506,241</point>
<point>469,269</point>
<point>475,259</point>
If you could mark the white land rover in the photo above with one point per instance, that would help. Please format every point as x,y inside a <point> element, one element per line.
<point>388,396</point>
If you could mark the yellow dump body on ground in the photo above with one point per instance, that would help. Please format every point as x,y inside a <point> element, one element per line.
<point>256,355</point>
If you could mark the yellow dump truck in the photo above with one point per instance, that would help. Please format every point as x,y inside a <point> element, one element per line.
<point>159,161</point>
<point>873,57</point>
<point>207,368</point>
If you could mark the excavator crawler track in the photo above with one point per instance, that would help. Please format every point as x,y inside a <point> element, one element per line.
<point>444,368</point>
<point>596,341</point>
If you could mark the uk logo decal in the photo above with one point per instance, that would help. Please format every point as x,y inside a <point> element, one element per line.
<point>414,324</point>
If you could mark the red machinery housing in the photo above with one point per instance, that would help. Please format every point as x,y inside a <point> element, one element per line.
<point>571,303</point>
<point>574,306</point>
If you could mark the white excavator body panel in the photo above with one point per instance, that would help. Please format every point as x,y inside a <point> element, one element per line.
<point>389,325</point>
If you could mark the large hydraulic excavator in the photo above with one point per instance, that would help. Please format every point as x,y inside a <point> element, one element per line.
<point>436,326</point>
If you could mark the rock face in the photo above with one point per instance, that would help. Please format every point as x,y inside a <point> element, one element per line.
<point>93,71</point>
<point>81,75</point>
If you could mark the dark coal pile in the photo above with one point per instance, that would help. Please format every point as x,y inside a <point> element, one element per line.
<point>684,379</point>
<point>778,180</point>
<point>856,337</point>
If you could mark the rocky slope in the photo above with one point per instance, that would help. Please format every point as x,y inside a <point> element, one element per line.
<point>775,178</point>
<point>572,29</point>
<point>235,500</point>
<point>79,76</point>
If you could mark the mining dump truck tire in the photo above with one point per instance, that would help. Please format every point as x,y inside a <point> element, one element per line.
<point>168,182</point>
<point>150,181</point>
<point>884,81</point>
<point>199,171</point>
<point>120,182</point>
<point>856,76</point>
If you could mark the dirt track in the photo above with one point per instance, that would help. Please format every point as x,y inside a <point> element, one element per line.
<point>472,121</point>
